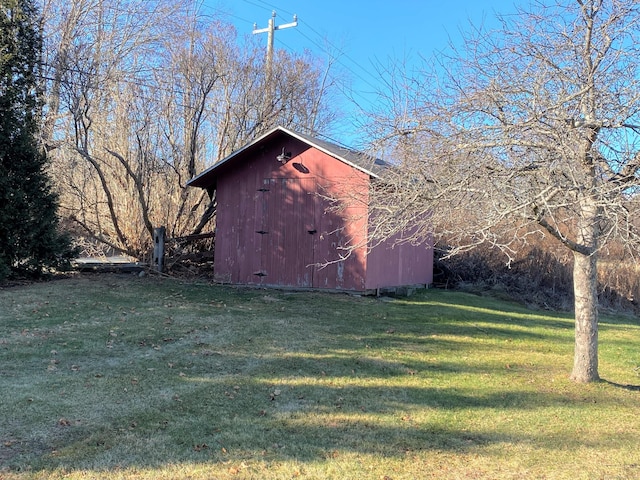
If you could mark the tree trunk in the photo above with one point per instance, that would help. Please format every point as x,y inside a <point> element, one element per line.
<point>585,361</point>
<point>585,288</point>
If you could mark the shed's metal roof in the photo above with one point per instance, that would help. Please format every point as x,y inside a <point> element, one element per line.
<point>361,161</point>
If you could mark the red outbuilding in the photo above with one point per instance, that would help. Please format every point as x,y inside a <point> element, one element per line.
<point>278,224</point>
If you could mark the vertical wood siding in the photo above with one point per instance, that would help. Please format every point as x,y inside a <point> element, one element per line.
<point>274,226</point>
<point>287,246</point>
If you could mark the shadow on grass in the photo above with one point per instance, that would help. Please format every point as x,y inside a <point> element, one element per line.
<point>468,308</point>
<point>275,382</point>
<point>241,419</point>
<point>359,366</point>
<point>624,386</point>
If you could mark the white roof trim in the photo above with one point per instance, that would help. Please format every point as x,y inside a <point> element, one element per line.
<point>305,139</point>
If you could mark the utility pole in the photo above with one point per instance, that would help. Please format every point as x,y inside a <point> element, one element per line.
<point>270,30</point>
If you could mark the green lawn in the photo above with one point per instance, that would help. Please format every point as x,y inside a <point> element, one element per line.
<point>121,377</point>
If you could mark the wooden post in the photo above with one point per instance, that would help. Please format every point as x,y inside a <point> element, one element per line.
<point>158,248</point>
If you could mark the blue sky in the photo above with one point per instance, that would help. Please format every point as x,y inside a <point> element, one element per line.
<point>362,33</point>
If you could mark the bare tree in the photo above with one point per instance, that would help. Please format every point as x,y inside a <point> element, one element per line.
<point>531,129</point>
<point>144,94</point>
<point>100,55</point>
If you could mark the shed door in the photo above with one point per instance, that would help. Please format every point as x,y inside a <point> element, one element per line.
<point>288,232</point>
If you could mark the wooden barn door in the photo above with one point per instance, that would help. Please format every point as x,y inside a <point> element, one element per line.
<point>288,232</point>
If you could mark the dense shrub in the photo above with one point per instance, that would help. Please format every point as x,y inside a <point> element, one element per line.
<point>540,276</point>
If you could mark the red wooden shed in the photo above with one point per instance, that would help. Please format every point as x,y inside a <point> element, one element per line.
<point>275,225</point>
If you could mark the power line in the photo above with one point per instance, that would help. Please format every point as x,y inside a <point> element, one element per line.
<point>319,35</point>
<point>338,49</point>
<point>337,59</point>
<point>127,77</point>
<point>268,6</point>
<point>139,96</point>
<point>222,12</point>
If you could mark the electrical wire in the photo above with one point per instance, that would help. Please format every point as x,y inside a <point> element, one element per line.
<point>270,6</point>
<point>218,12</point>
<point>358,98</point>
<point>149,98</point>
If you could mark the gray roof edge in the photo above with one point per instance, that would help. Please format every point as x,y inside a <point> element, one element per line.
<point>330,151</point>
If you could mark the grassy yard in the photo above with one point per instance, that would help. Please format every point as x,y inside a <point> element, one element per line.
<point>119,377</point>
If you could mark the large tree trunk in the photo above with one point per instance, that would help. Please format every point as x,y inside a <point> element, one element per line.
<point>585,361</point>
<point>585,287</point>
